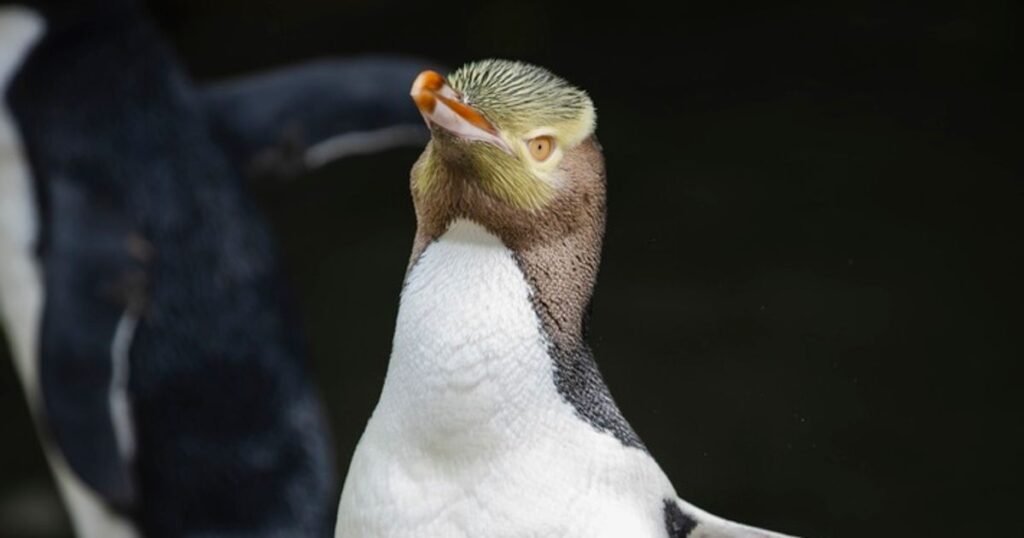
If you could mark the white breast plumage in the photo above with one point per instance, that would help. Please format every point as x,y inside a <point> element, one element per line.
<point>470,436</point>
<point>21,289</point>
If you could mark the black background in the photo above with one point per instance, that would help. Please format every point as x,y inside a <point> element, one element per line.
<point>809,306</point>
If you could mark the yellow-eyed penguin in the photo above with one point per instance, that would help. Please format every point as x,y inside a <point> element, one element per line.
<point>494,419</point>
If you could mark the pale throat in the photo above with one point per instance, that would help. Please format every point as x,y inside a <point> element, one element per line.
<point>469,357</point>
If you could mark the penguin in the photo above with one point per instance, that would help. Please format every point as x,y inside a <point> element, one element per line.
<point>494,419</point>
<point>140,288</point>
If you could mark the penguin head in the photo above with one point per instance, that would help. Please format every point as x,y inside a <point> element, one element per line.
<point>513,149</point>
<point>511,145</point>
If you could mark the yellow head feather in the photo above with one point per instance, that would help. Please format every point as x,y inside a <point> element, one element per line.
<point>522,101</point>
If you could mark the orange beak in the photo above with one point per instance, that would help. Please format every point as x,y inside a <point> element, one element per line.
<point>441,105</point>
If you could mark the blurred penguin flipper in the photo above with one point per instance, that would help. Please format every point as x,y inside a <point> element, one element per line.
<point>285,122</point>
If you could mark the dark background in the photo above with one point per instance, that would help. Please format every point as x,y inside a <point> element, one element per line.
<point>809,306</point>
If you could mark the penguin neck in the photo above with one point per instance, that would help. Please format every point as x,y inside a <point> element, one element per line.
<point>557,247</point>
<point>562,271</point>
<point>471,363</point>
<point>559,267</point>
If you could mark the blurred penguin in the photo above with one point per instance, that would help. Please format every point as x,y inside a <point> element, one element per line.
<point>139,286</point>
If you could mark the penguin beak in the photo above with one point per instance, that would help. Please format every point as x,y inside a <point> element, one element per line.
<point>442,106</point>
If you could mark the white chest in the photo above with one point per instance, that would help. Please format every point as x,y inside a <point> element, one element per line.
<point>468,358</point>
<point>470,437</point>
<point>21,293</point>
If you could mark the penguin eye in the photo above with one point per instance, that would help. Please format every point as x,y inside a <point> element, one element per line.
<point>541,147</point>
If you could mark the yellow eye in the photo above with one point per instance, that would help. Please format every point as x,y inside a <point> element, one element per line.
<point>541,147</point>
